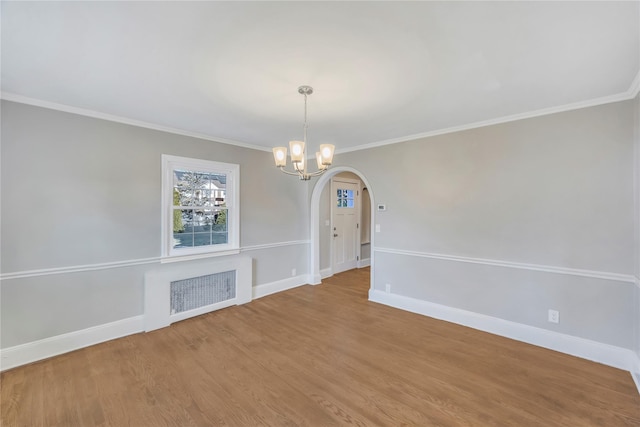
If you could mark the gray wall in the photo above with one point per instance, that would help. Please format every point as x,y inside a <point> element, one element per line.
<point>555,191</point>
<point>79,191</point>
<point>551,191</point>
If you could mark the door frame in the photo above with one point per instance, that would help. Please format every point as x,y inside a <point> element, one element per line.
<point>358,213</point>
<point>314,210</point>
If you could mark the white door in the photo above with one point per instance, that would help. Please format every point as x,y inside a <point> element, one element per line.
<point>345,214</point>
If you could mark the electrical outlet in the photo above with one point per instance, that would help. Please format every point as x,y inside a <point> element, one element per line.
<point>554,316</point>
<point>387,288</point>
<point>377,228</point>
<point>293,272</point>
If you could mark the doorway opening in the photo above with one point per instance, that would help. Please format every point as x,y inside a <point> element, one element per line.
<point>342,199</point>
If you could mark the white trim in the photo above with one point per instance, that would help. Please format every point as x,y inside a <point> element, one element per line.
<point>157,289</point>
<point>623,96</point>
<point>180,258</point>
<point>606,354</point>
<point>630,93</point>
<point>336,180</point>
<point>314,248</point>
<point>48,347</point>
<point>265,289</point>
<point>7,96</point>
<point>134,262</point>
<point>634,88</point>
<point>231,171</point>
<point>635,371</point>
<point>60,344</point>
<point>326,272</point>
<point>626,278</point>
<point>364,263</point>
<point>78,268</point>
<point>273,245</point>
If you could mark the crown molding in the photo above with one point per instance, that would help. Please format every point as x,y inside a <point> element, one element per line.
<point>630,93</point>
<point>7,96</point>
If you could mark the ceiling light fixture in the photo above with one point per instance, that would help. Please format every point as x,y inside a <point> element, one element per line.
<point>324,157</point>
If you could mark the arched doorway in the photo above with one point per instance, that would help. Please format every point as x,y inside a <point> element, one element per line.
<point>314,261</point>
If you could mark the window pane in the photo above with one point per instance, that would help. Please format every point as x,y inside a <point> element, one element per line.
<point>178,222</point>
<point>201,239</point>
<point>219,238</point>
<point>218,197</point>
<point>209,219</point>
<point>200,227</point>
<point>188,220</point>
<point>349,203</point>
<point>182,240</point>
<point>206,198</point>
<point>191,187</point>
<point>218,189</point>
<point>182,228</point>
<point>220,223</point>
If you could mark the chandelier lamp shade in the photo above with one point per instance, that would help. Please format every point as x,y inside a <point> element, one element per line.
<point>324,157</point>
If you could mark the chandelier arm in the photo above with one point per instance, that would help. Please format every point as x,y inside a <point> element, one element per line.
<point>303,175</point>
<point>316,173</point>
<point>283,170</point>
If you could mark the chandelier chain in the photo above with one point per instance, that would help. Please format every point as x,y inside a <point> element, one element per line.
<point>305,118</point>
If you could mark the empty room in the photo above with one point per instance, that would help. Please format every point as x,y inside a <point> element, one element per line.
<point>371,213</point>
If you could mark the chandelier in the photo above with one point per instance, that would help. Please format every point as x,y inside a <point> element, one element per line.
<point>324,157</point>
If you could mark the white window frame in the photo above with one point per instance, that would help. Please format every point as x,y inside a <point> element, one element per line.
<point>232,201</point>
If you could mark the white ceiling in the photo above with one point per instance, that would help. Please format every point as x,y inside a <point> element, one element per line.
<point>382,71</point>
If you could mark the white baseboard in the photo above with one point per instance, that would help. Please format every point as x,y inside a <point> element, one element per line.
<point>635,372</point>
<point>606,354</point>
<point>60,344</point>
<point>278,286</point>
<point>364,263</point>
<point>327,272</point>
<point>53,346</point>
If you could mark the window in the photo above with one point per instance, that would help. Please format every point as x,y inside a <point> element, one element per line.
<point>200,212</point>
<point>345,198</point>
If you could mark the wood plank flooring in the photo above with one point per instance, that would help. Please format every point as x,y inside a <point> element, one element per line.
<point>317,356</point>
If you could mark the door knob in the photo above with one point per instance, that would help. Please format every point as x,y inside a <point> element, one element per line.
<point>335,235</point>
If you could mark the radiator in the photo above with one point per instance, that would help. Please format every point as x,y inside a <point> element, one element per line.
<point>196,292</point>
<point>177,292</point>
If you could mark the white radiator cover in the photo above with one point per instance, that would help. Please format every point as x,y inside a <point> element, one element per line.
<point>157,289</point>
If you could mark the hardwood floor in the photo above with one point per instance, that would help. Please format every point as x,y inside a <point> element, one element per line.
<point>317,356</point>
